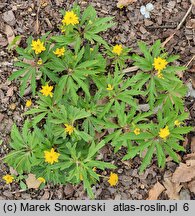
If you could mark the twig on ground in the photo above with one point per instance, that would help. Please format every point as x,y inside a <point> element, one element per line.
<point>135,68</point>
<point>19,191</point>
<point>130,69</point>
<point>178,27</point>
<point>184,18</point>
<point>193,57</point>
<point>165,26</point>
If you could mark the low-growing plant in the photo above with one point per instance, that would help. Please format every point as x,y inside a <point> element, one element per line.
<point>84,100</point>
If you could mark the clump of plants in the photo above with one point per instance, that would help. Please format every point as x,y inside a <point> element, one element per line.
<point>81,95</point>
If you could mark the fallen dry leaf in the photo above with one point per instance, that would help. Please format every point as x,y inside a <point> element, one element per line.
<point>193,144</point>
<point>193,2</point>
<point>13,171</point>
<point>9,33</point>
<point>191,186</point>
<point>184,173</point>
<point>46,195</point>
<point>190,156</point>
<point>190,163</point>
<point>10,92</point>
<point>172,189</point>
<point>32,182</point>
<point>122,3</point>
<point>3,41</point>
<point>155,191</point>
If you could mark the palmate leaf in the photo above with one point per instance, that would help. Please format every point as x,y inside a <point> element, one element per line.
<point>148,157</point>
<point>151,93</point>
<point>127,97</point>
<point>156,49</point>
<point>24,148</point>
<point>160,155</point>
<point>182,130</point>
<point>172,58</point>
<point>86,137</point>
<point>63,40</point>
<point>82,84</point>
<point>76,113</point>
<point>100,165</point>
<point>171,153</point>
<point>132,153</point>
<point>134,150</point>
<point>72,90</point>
<point>44,109</point>
<point>144,49</point>
<point>88,14</point>
<point>60,88</point>
<point>94,149</point>
<point>18,73</point>
<point>86,183</point>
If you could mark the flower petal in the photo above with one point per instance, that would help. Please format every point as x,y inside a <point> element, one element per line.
<point>149,7</point>
<point>143,10</point>
<point>147,14</point>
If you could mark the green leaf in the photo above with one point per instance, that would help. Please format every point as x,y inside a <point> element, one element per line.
<point>147,159</point>
<point>156,49</point>
<point>160,155</point>
<point>95,149</point>
<point>58,93</point>
<point>23,185</point>
<point>84,135</point>
<point>171,153</point>
<point>144,49</point>
<point>152,93</point>
<point>18,73</point>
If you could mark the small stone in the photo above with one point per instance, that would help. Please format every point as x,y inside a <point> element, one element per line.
<point>26,196</point>
<point>68,190</point>
<point>118,197</point>
<point>12,106</point>
<point>171,4</point>
<point>142,186</point>
<point>46,195</point>
<point>184,194</point>
<point>148,22</point>
<point>120,171</point>
<point>142,30</point>
<point>9,18</point>
<point>8,194</point>
<point>191,24</point>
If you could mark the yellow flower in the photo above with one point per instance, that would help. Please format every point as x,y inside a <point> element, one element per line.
<point>160,75</point>
<point>59,52</point>
<point>8,178</point>
<point>46,90</point>
<point>70,18</point>
<point>160,64</point>
<point>117,49</point>
<point>136,131</point>
<point>113,179</point>
<point>40,62</point>
<point>41,179</point>
<point>51,156</point>
<point>120,6</point>
<point>164,132</point>
<point>91,49</point>
<point>177,123</point>
<point>28,103</point>
<point>94,169</point>
<point>110,87</point>
<point>37,46</point>
<point>69,129</point>
<point>81,177</point>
